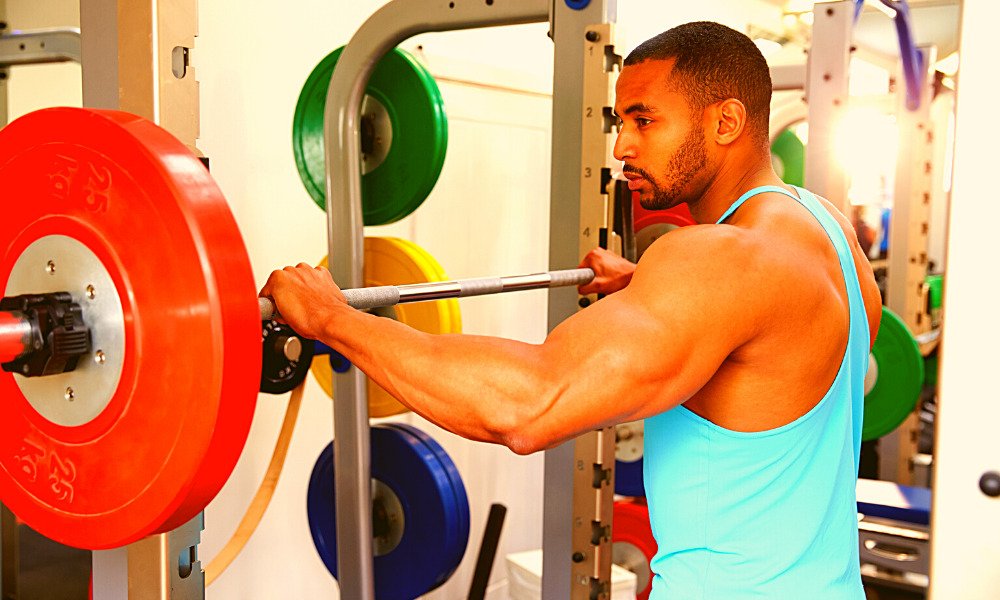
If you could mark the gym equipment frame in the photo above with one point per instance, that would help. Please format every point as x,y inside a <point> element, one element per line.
<point>395,22</point>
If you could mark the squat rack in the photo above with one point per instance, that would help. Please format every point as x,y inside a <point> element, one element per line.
<point>569,21</point>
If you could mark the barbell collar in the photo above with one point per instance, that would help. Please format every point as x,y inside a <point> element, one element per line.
<point>390,295</point>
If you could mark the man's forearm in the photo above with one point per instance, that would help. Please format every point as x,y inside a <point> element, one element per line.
<point>482,388</point>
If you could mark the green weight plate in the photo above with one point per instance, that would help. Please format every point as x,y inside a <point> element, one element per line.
<point>899,375</point>
<point>404,133</point>
<point>788,152</point>
<point>931,370</point>
<point>936,290</point>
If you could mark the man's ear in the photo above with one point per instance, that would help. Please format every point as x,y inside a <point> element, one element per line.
<point>729,120</point>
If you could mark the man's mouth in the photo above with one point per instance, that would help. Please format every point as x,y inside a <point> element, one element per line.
<point>634,180</point>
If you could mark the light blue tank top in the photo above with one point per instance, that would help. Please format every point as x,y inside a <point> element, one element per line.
<point>769,514</point>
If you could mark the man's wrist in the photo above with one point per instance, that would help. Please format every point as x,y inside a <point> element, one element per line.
<point>337,323</point>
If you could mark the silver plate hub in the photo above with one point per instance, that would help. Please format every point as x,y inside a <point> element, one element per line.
<point>629,441</point>
<point>871,377</point>
<point>631,558</point>
<point>378,125</point>
<point>389,520</point>
<point>57,263</point>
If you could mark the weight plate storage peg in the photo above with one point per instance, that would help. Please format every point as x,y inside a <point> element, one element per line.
<point>420,520</point>
<point>894,379</point>
<point>404,136</point>
<point>144,432</point>
<point>394,261</point>
<point>287,358</point>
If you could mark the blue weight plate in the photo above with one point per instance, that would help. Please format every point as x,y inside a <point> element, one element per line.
<point>419,563</point>
<point>461,498</point>
<point>628,478</point>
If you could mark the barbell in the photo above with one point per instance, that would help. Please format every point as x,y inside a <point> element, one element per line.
<point>391,295</point>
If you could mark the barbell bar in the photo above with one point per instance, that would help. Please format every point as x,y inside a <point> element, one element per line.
<point>16,331</point>
<point>391,295</point>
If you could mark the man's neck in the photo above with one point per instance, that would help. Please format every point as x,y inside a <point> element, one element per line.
<point>731,182</point>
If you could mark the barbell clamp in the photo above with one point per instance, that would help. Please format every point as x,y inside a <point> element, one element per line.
<point>42,334</point>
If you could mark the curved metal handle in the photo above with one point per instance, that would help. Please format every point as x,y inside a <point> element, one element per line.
<point>896,553</point>
<point>913,58</point>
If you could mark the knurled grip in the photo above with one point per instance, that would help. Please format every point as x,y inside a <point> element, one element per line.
<point>360,298</point>
<point>373,297</point>
<point>480,287</point>
<point>571,277</point>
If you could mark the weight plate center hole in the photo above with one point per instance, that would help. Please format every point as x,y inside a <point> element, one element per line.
<point>376,134</point>
<point>388,521</point>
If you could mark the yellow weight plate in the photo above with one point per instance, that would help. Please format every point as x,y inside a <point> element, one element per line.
<point>432,270</point>
<point>394,261</point>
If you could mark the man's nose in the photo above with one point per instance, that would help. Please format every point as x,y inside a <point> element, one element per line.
<point>624,146</point>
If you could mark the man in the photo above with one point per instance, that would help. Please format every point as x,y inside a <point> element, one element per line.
<point>743,344</point>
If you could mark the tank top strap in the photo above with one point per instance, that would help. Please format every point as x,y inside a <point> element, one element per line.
<point>859,320</point>
<point>750,194</point>
<point>837,237</point>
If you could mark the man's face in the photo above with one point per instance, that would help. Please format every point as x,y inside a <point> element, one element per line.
<point>661,144</point>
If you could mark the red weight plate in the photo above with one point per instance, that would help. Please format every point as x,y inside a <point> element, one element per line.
<point>174,428</point>
<point>651,224</point>
<point>679,215</point>
<point>630,525</point>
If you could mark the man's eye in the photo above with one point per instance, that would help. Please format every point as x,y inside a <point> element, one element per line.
<point>643,122</point>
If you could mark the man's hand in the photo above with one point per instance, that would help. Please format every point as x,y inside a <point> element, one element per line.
<point>306,297</point>
<point>611,272</point>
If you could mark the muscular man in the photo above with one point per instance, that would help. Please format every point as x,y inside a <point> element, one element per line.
<point>743,341</point>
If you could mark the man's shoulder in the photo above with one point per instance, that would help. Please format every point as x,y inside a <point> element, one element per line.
<point>713,250</point>
<point>718,271</point>
<point>749,269</point>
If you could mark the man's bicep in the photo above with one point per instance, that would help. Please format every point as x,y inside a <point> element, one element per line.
<point>626,358</point>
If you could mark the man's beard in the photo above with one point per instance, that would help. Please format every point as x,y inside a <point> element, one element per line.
<point>689,159</point>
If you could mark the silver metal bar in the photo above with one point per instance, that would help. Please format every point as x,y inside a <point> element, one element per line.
<point>4,74</point>
<point>385,29</point>
<point>930,336</point>
<point>9,554</point>
<point>159,567</point>
<point>166,566</point>
<point>15,335</point>
<point>827,95</point>
<point>390,295</point>
<point>566,209</point>
<point>888,528</point>
<point>99,48</point>
<point>908,229</point>
<point>110,574</point>
<point>40,46</point>
<point>788,77</point>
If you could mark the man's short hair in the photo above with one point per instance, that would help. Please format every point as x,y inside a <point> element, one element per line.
<point>714,62</point>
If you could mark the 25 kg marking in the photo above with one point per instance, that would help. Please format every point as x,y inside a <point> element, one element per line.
<point>57,478</point>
